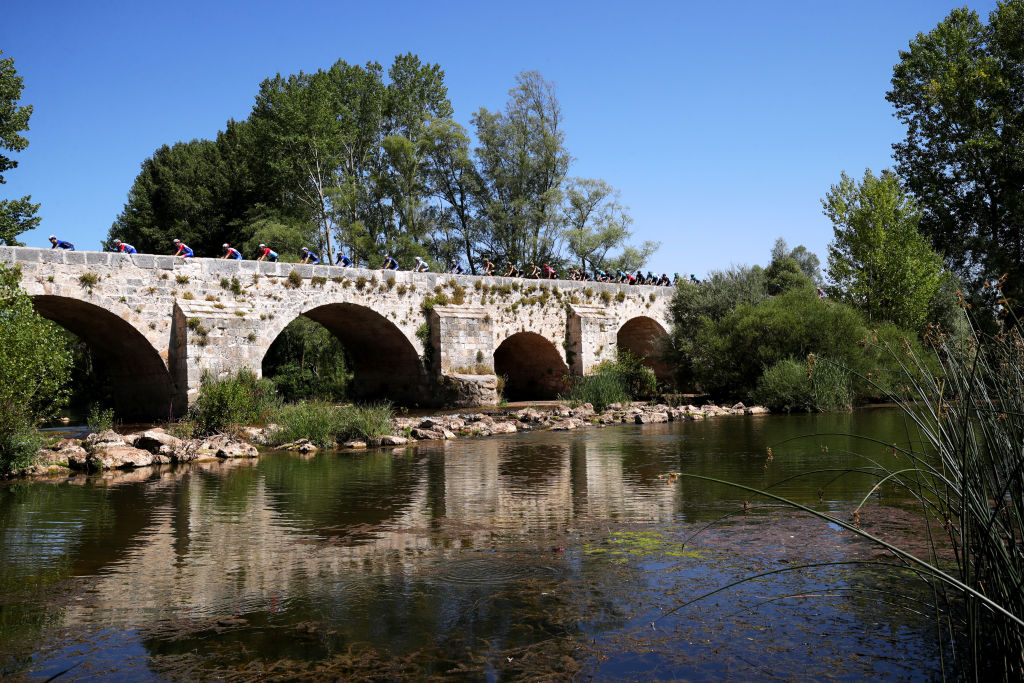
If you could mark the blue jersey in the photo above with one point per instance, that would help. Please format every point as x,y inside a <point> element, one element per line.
<point>61,244</point>
<point>312,258</point>
<point>126,248</point>
<point>344,260</point>
<point>184,250</point>
<point>391,264</point>
<point>233,253</point>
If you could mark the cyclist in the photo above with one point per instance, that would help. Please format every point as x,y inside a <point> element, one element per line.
<point>488,267</point>
<point>421,266</point>
<point>230,252</point>
<point>389,263</point>
<point>513,271</point>
<point>183,249</point>
<point>266,254</point>
<point>343,261</point>
<point>124,247</point>
<point>309,257</point>
<point>534,271</point>
<point>60,244</point>
<point>550,272</point>
<point>455,268</point>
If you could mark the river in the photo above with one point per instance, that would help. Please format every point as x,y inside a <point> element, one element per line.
<point>560,554</point>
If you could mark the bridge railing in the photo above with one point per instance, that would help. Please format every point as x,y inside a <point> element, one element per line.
<point>228,267</point>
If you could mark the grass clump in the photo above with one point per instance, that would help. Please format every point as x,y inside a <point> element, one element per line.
<point>181,279</point>
<point>294,280</point>
<point>618,381</point>
<point>238,400</point>
<point>325,423</point>
<point>88,279</point>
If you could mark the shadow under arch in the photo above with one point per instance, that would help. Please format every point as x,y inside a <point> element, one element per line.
<point>141,383</point>
<point>385,364</point>
<point>531,366</point>
<point>646,339</point>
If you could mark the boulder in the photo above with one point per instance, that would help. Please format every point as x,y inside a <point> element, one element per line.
<point>448,434</point>
<point>503,428</point>
<point>426,434</point>
<point>120,457</point>
<point>585,410</point>
<point>68,451</point>
<point>300,446</point>
<point>392,440</point>
<point>566,424</point>
<point>738,406</point>
<point>756,410</point>
<point>354,444</point>
<point>156,441</point>
<point>650,418</point>
<point>103,440</point>
<point>223,446</point>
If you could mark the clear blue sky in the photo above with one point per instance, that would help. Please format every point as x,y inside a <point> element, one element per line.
<point>723,124</point>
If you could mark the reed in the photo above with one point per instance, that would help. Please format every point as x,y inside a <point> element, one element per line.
<point>963,466</point>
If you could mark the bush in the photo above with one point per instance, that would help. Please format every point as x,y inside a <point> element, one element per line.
<point>613,382</point>
<point>730,355</point>
<point>324,423</point>
<point>100,419</point>
<point>235,401</point>
<point>816,385</point>
<point>35,364</point>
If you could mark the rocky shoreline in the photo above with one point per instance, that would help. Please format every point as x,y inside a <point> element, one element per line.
<point>109,450</point>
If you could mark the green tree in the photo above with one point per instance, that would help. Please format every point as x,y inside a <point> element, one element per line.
<point>34,367</point>
<point>454,182</point>
<point>879,262</point>
<point>16,215</point>
<point>522,162</point>
<point>959,89</point>
<point>694,305</point>
<point>596,222</point>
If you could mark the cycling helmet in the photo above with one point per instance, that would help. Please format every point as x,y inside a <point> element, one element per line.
<point>225,246</point>
<point>117,241</point>
<point>53,237</point>
<point>177,241</point>
<point>263,246</point>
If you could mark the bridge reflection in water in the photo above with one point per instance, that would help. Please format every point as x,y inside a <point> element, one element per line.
<point>462,548</point>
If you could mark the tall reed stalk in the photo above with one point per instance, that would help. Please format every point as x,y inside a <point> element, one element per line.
<point>964,466</point>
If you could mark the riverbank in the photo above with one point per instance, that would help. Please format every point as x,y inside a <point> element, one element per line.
<point>109,450</point>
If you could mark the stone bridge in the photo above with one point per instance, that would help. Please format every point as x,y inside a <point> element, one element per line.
<point>158,323</point>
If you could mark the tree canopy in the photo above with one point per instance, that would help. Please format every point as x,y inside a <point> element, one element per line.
<point>370,162</point>
<point>879,263</point>
<point>959,89</point>
<point>16,215</point>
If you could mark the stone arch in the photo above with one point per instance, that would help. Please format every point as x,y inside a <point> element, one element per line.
<point>645,338</point>
<point>385,364</point>
<point>531,366</point>
<point>143,387</point>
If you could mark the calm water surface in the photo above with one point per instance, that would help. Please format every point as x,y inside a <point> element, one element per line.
<point>542,554</point>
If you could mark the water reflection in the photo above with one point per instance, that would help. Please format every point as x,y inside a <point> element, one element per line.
<point>461,548</point>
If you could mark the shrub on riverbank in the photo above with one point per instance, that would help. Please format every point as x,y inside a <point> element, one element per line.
<point>616,381</point>
<point>34,367</point>
<point>238,400</point>
<point>815,385</point>
<point>324,423</point>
